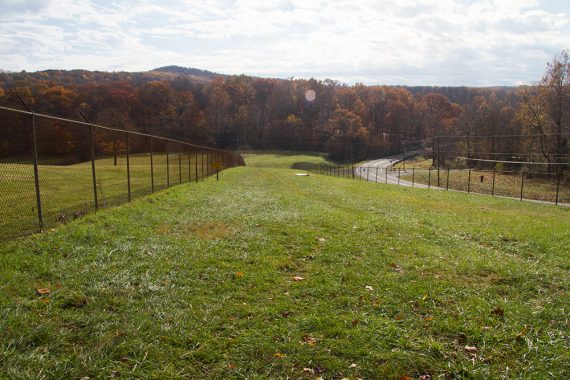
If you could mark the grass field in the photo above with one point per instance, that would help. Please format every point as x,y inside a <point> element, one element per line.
<point>269,275</point>
<point>68,189</point>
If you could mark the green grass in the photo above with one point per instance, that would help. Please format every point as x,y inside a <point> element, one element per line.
<point>282,160</point>
<point>535,187</point>
<point>68,189</point>
<point>197,282</point>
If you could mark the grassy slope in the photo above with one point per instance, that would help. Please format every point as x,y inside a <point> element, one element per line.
<point>197,282</point>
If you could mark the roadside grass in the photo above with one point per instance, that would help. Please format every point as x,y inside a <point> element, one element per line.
<point>506,184</point>
<point>67,190</point>
<point>198,281</point>
<point>419,162</point>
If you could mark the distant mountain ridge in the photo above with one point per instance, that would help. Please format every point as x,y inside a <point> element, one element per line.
<point>187,71</point>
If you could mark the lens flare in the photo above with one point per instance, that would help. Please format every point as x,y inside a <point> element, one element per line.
<point>310,95</point>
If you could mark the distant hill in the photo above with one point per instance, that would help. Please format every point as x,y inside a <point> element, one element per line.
<point>187,71</point>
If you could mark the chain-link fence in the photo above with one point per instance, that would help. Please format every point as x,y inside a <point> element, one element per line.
<point>525,184</point>
<point>53,170</point>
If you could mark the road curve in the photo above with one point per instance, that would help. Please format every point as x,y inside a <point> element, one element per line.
<point>379,171</point>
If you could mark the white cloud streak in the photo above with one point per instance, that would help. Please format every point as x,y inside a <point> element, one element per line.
<point>415,42</point>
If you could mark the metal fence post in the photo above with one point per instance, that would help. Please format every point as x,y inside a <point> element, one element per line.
<point>179,167</point>
<point>399,174</point>
<point>376,174</point>
<point>128,165</point>
<point>36,172</point>
<point>151,167</point>
<point>413,175</point>
<point>167,167</point>
<point>429,178</point>
<point>438,169</point>
<point>493,188</point>
<point>189,166</point>
<point>196,165</point>
<point>447,181</point>
<point>522,184</point>
<point>386,175</point>
<point>93,173</point>
<point>469,182</point>
<point>114,148</point>
<point>367,173</point>
<point>558,186</point>
<point>202,161</point>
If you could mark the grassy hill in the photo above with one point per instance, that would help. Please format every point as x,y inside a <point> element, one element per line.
<point>265,274</point>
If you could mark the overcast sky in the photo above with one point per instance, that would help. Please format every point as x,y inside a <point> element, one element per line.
<point>413,42</point>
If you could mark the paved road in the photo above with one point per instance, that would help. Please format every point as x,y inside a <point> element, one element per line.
<point>378,171</point>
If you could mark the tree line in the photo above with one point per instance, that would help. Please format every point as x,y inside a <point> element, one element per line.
<point>347,122</point>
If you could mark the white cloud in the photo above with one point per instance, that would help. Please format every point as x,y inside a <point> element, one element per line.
<point>444,42</point>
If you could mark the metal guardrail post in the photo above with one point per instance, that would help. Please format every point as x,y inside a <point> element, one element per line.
<point>413,175</point>
<point>114,148</point>
<point>493,188</point>
<point>469,182</point>
<point>429,178</point>
<point>447,180</point>
<point>399,174</point>
<point>386,175</point>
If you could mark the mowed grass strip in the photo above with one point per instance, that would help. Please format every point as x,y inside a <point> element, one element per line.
<point>265,274</point>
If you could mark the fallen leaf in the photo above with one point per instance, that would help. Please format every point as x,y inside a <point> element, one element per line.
<point>308,370</point>
<point>399,317</point>
<point>353,365</point>
<point>321,239</point>
<point>240,274</point>
<point>428,319</point>
<point>405,377</point>
<point>231,366</point>
<point>425,377</point>
<point>44,299</point>
<point>286,314</point>
<point>42,291</point>
<point>354,322</point>
<point>369,288</point>
<point>309,340</point>
<point>279,355</point>
<point>298,278</point>
<point>498,311</point>
<point>470,349</point>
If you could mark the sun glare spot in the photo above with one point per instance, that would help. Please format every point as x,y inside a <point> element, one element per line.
<point>310,95</point>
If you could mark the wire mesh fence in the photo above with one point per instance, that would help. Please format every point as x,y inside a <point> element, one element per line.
<point>53,170</point>
<point>525,184</point>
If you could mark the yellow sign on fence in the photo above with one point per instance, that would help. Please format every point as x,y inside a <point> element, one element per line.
<point>217,165</point>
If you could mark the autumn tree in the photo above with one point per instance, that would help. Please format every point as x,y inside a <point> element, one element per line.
<point>545,111</point>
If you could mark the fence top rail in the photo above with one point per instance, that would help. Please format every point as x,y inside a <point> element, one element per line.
<point>31,113</point>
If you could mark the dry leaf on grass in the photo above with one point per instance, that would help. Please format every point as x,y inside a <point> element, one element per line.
<point>369,288</point>
<point>279,355</point>
<point>471,349</point>
<point>298,278</point>
<point>42,291</point>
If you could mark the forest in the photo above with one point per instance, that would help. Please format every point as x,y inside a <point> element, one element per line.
<point>349,122</point>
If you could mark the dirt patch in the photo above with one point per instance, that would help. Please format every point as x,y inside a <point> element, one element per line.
<point>210,230</point>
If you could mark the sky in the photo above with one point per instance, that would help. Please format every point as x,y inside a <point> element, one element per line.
<point>404,42</point>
